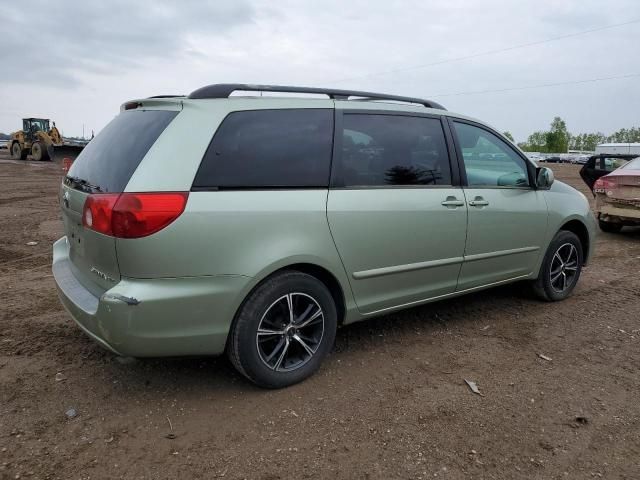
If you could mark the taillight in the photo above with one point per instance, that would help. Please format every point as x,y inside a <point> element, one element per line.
<point>603,184</point>
<point>98,212</point>
<point>137,215</point>
<point>132,215</point>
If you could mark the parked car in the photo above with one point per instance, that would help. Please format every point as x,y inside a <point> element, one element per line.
<point>553,159</point>
<point>615,182</point>
<point>535,157</point>
<point>3,144</point>
<point>258,225</point>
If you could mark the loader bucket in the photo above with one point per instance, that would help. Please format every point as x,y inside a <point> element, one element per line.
<point>66,151</point>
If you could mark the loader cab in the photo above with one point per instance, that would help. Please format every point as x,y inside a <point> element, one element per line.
<point>32,125</point>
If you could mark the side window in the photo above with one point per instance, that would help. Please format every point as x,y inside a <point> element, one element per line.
<point>381,150</point>
<point>488,160</point>
<point>611,164</point>
<point>269,148</point>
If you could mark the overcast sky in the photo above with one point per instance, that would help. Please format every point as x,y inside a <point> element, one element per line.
<point>78,61</point>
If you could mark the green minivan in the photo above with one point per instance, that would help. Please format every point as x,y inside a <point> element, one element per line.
<point>257,219</point>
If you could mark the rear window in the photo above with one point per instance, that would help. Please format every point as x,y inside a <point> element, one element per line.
<point>269,149</point>
<point>389,150</point>
<point>632,165</point>
<point>109,160</point>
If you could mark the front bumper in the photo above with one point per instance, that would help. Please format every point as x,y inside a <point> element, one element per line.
<point>152,317</point>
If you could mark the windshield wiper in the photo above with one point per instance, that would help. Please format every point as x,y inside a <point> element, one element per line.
<point>81,184</point>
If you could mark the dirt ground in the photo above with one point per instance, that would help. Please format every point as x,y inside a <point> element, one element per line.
<point>390,402</point>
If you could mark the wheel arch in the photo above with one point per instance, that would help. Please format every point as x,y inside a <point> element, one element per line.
<point>44,138</point>
<point>322,273</point>
<point>236,347</point>
<point>317,271</point>
<point>328,279</point>
<point>582,232</point>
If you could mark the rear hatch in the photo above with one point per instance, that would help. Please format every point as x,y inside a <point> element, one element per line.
<point>105,166</point>
<point>623,189</point>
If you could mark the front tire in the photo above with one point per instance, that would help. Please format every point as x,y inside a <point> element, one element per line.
<point>610,227</point>
<point>561,268</point>
<point>284,330</point>
<point>39,152</point>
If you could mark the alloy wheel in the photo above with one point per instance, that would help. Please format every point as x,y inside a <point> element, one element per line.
<point>290,332</point>
<point>564,267</point>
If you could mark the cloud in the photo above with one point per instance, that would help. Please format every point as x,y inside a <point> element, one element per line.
<point>60,41</point>
<point>78,61</point>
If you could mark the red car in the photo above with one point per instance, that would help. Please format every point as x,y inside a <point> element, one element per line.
<point>615,182</point>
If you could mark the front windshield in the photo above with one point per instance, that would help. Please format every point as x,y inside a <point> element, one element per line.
<point>632,165</point>
<point>40,125</point>
<point>44,125</point>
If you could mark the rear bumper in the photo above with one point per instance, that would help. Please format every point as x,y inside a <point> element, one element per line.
<point>617,210</point>
<point>152,317</point>
<point>629,214</point>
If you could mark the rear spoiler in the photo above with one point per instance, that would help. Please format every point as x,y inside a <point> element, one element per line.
<point>161,102</point>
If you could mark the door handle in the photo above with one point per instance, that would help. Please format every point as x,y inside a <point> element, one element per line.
<point>452,202</point>
<point>478,202</point>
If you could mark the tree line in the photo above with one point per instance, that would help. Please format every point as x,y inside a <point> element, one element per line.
<point>559,140</point>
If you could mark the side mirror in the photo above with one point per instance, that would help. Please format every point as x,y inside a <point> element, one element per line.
<point>544,178</point>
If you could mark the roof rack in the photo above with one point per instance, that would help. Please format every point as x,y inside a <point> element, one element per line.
<point>224,90</point>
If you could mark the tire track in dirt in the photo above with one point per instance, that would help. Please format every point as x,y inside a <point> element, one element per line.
<point>23,263</point>
<point>390,402</point>
<point>10,200</point>
<point>8,256</point>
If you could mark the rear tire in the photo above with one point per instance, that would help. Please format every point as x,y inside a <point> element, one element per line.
<point>39,152</point>
<point>17,153</point>
<point>610,227</point>
<point>561,268</point>
<point>283,331</point>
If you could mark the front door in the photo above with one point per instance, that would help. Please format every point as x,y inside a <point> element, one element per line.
<point>27,128</point>
<point>507,215</point>
<point>396,213</point>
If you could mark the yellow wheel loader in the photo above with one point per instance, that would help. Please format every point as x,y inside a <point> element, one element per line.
<point>36,139</point>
